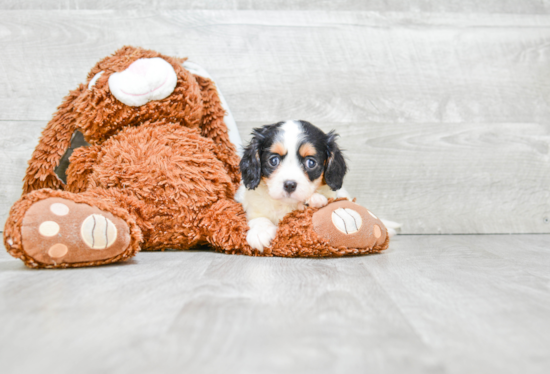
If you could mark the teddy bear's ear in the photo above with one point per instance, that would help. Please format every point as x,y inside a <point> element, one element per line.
<point>251,164</point>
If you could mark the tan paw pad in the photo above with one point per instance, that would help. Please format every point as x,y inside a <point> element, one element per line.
<point>59,209</point>
<point>57,230</point>
<point>98,232</point>
<point>377,231</point>
<point>347,221</point>
<point>346,224</point>
<point>48,228</point>
<point>58,250</point>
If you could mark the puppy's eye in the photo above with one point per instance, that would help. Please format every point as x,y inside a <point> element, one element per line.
<point>274,160</point>
<point>311,163</point>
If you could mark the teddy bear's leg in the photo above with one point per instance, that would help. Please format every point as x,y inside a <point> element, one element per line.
<point>224,226</point>
<point>58,229</point>
<point>340,228</point>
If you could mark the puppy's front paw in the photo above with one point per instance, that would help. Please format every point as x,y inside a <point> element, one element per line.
<point>317,200</point>
<point>261,233</point>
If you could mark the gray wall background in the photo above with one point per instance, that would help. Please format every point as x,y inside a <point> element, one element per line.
<point>443,106</point>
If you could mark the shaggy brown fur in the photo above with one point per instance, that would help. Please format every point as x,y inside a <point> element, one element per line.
<point>166,168</point>
<point>99,115</point>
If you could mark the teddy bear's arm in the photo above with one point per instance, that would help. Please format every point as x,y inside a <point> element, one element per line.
<point>55,140</point>
<point>80,167</point>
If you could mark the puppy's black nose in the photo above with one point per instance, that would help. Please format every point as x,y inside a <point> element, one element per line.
<point>290,186</point>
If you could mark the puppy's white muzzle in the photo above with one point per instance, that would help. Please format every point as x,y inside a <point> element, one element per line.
<point>145,80</point>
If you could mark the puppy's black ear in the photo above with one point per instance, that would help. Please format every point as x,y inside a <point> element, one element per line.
<point>251,165</point>
<point>335,167</point>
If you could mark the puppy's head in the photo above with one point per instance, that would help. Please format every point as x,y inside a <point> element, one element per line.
<point>293,159</point>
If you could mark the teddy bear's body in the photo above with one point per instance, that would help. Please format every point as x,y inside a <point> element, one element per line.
<point>167,176</point>
<point>155,176</point>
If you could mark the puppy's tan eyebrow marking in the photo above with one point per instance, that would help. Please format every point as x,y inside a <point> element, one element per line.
<point>278,148</point>
<point>307,149</point>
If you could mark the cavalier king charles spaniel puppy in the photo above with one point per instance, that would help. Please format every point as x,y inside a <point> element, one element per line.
<point>285,167</point>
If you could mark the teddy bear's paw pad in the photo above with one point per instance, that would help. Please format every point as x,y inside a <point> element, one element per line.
<point>347,224</point>
<point>98,232</point>
<point>57,230</point>
<point>347,221</point>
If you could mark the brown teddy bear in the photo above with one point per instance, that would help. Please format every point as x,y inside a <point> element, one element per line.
<point>157,170</point>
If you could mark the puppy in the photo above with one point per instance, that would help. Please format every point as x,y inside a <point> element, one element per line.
<point>286,166</point>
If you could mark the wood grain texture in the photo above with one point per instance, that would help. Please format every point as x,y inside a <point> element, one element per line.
<point>462,6</point>
<point>430,304</point>
<point>17,142</point>
<point>456,289</point>
<point>323,66</point>
<point>445,117</point>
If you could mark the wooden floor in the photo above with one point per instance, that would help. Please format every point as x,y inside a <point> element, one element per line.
<point>443,107</point>
<point>430,304</point>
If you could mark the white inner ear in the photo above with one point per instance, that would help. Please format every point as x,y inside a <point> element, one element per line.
<point>94,80</point>
<point>233,131</point>
<point>145,80</point>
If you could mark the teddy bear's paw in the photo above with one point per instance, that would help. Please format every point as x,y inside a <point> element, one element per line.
<point>56,231</point>
<point>317,201</point>
<point>262,232</point>
<point>346,224</point>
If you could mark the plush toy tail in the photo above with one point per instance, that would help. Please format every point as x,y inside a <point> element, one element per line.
<point>393,227</point>
<point>55,140</point>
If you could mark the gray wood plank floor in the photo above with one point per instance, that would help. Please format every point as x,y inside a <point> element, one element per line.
<point>430,304</point>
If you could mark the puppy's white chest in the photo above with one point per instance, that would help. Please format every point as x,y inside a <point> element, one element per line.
<point>281,210</point>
